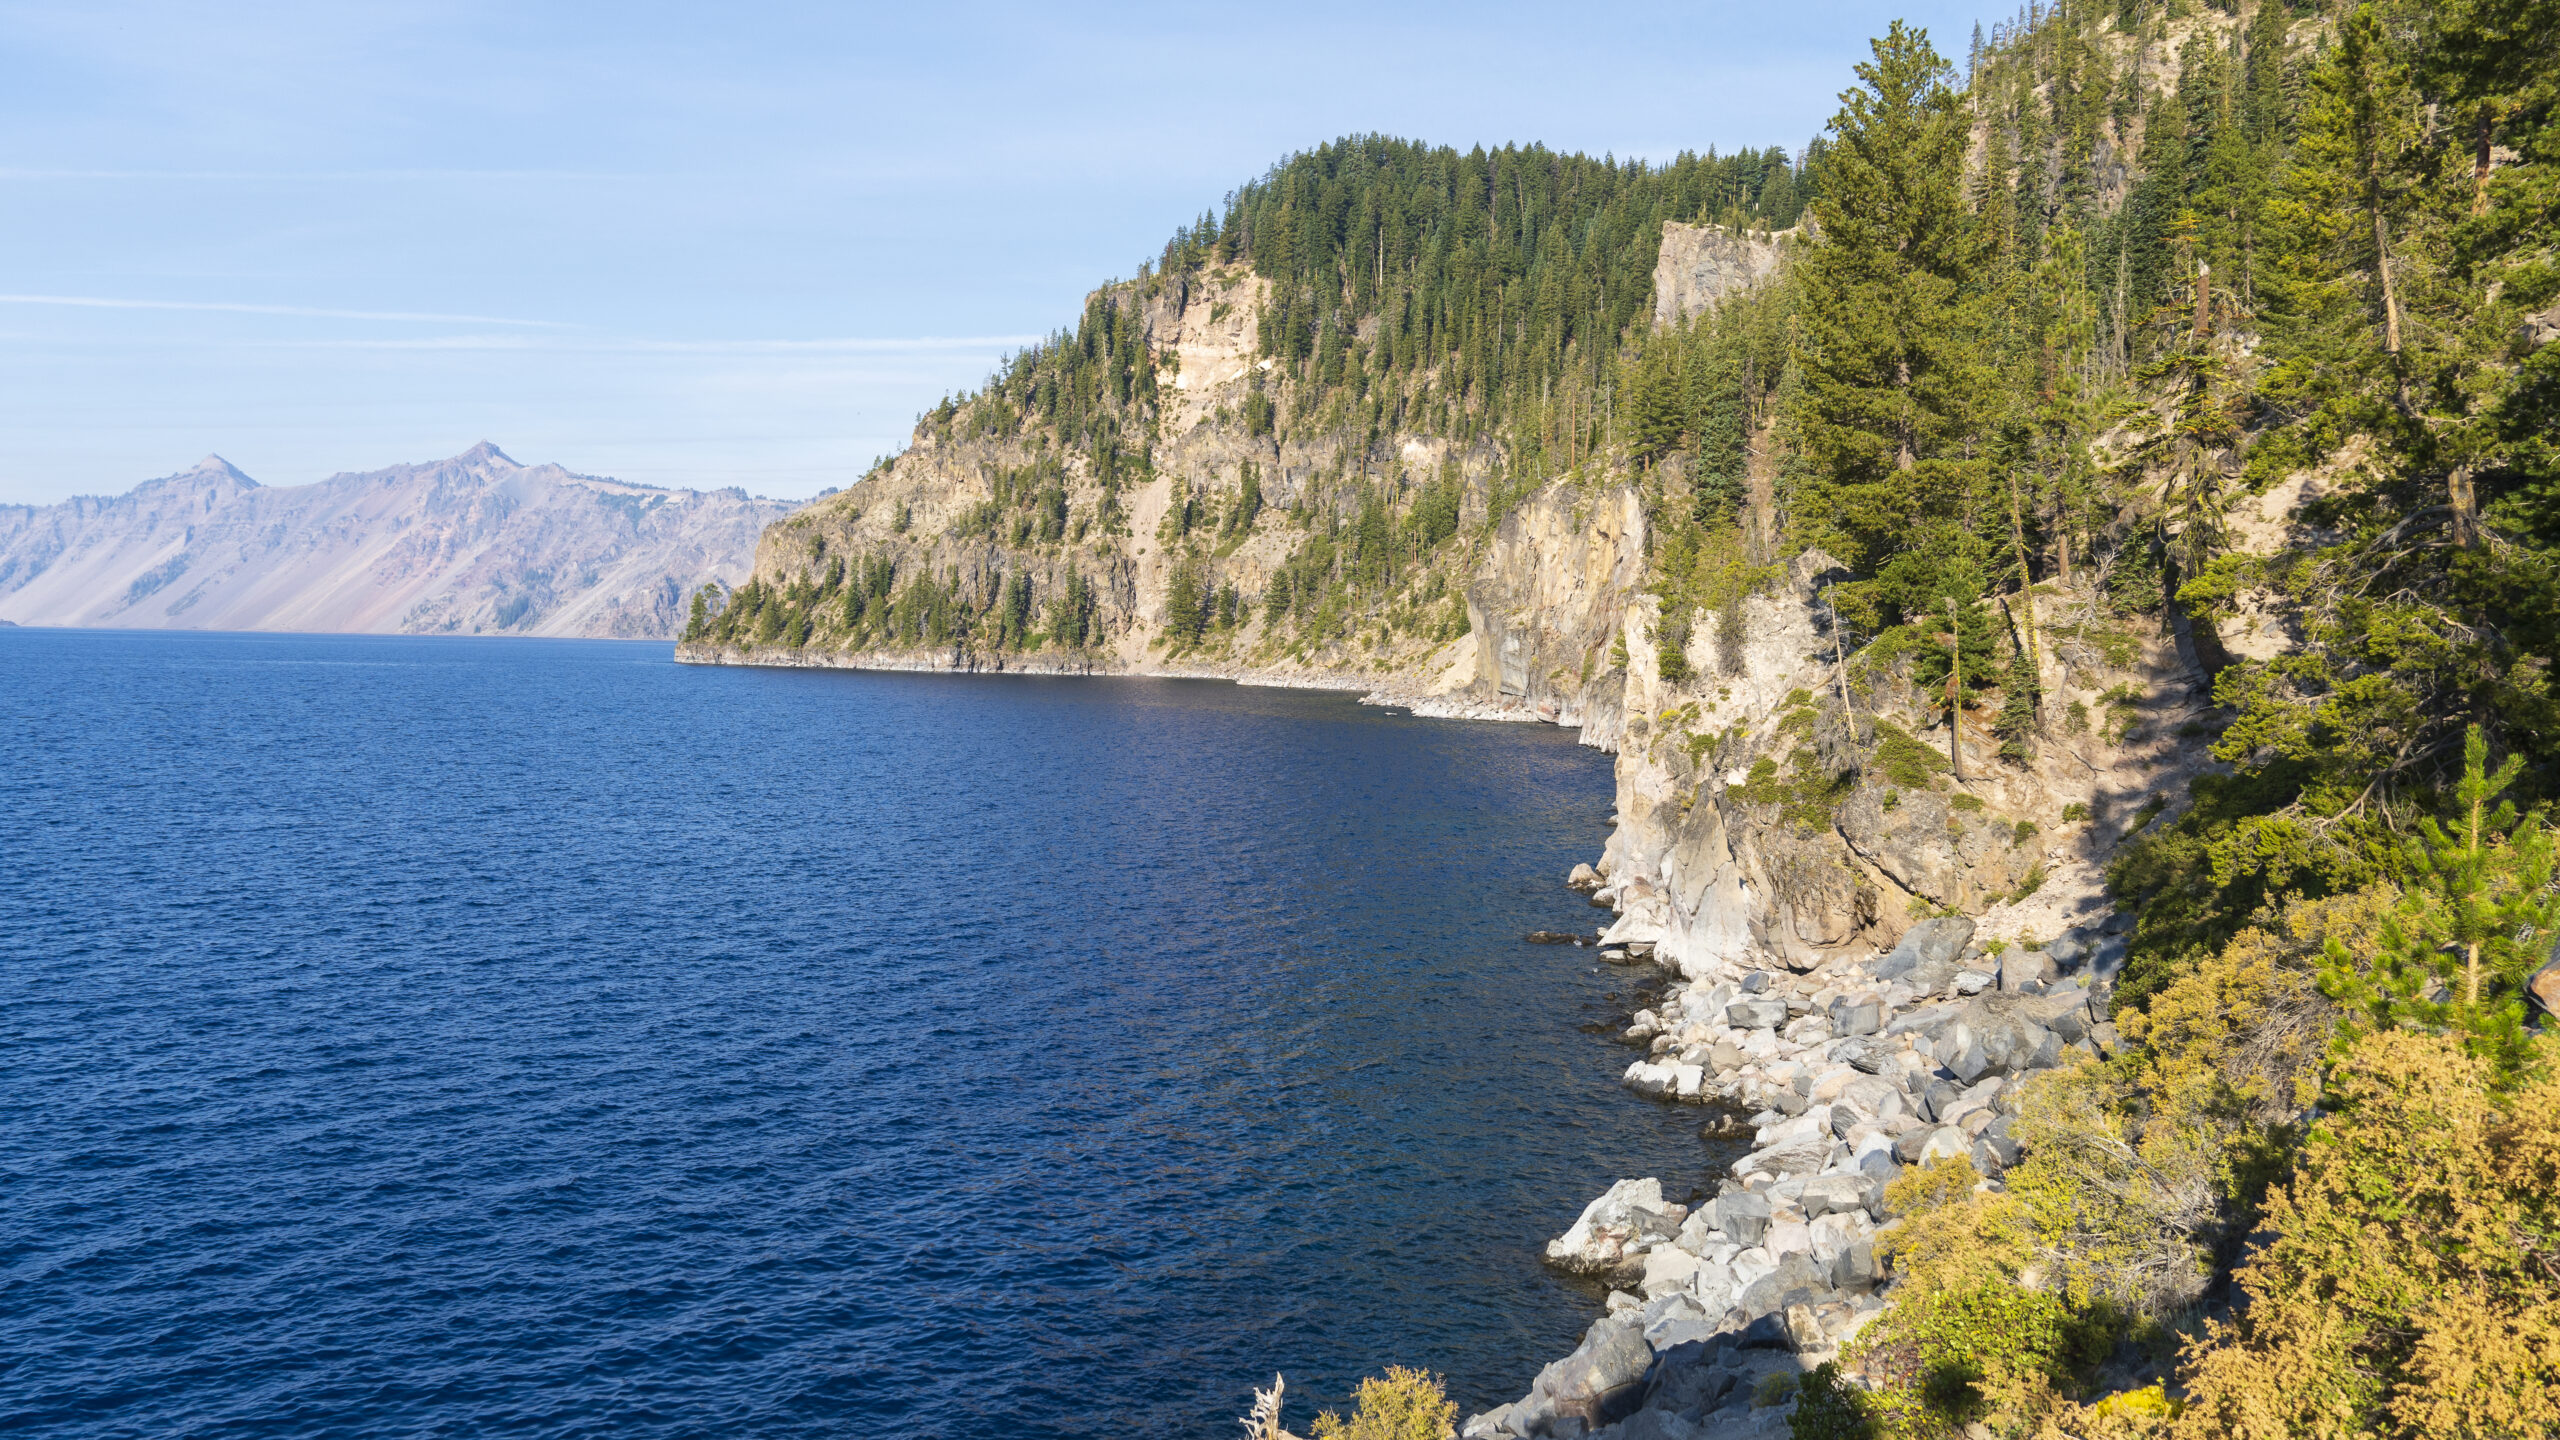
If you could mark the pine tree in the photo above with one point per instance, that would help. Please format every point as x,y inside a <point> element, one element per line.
<point>2478,917</point>
<point>1884,315</point>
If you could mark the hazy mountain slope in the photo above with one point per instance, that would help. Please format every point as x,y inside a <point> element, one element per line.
<point>477,544</point>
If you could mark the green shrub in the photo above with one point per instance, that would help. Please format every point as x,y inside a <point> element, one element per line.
<point>1775,1388</point>
<point>1830,1408</point>
<point>2074,813</point>
<point>1905,761</point>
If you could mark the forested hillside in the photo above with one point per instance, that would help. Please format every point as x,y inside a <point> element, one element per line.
<point>2159,328</point>
<point>1385,340</point>
<point>2070,320</point>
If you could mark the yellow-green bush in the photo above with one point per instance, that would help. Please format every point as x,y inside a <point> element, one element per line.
<point>2139,1170</point>
<point>2413,1284</point>
<point>1971,1332</point>
<point>1405,1405</point>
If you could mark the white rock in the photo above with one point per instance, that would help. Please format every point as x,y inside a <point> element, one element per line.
<point>1667,1268</point>
<point>1837,1231</point>
<point>1793,1237</point>
<point>1714,1288</point>
<point>1617,1227</point>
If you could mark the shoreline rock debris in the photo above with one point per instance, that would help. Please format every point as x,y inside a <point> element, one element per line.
<point>1850,1072</point>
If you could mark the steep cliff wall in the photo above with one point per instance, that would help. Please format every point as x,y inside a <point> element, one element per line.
<point>1703,264</point>
<point>1776,809</point>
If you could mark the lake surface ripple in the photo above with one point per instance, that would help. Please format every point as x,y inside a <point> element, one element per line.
<point>451,1037</point>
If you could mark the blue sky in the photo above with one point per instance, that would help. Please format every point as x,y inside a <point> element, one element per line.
<point>707,244</point>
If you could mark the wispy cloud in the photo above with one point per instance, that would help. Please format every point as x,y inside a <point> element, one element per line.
<point>327,177</point>
<point>609,345</point>
<point>308,312</point>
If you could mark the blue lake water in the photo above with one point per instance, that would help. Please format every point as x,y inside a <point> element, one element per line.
<point>470,1037</point>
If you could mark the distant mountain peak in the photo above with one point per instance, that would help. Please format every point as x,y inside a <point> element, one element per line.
<point>216,465</point>
<point>486,450</point>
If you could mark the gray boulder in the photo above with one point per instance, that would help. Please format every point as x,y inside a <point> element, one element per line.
<point>2021,968</point>
<point>1676,1319</point>
<point>1997,1037</point>
<point>1864,1018</point>
<point>1690,1379</point>
<point>1931,942</point>
<point>2002,1142</point>
<point>1659,1425</point>
<point>1961,1050</point>
<point>1869,1057</point>
<point>1743,1215</point>
<point>1796,1280</point>
<point>1759,1012</point>
<point>1840,1194</point>
<point>2064,1012</point>
<point>2543,989</point>
<point>1602,1381</point>
<point>1947,1142</point>
<point>1868,1098</point>
<point>1856,1268</point>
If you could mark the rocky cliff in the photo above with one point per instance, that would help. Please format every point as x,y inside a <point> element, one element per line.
<point>1703,264</point>
<point>474,545</point>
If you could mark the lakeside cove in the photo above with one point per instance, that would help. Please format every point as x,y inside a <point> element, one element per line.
<point>1843,1066</point>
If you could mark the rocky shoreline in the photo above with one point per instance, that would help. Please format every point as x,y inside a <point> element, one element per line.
<point>1850,1071</point>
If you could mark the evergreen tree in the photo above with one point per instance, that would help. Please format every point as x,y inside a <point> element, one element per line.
<point>1884,318</point>
<point>2479,917</point>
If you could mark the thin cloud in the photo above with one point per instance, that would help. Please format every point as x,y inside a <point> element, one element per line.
<point>336,176</point>
<point>307,312</point>
<point>964,344</point>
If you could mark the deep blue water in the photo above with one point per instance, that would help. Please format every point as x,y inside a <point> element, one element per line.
<point>453,1037</point>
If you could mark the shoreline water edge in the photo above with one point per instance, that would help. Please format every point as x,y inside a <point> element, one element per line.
<point>1843,1073</point>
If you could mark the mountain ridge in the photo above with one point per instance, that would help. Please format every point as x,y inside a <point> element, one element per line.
<point>476,543</point>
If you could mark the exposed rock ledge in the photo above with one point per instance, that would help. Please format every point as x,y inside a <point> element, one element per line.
<point>1398,693</point>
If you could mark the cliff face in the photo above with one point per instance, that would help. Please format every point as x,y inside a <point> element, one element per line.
<point>1770,812</point>
<point>1546,604</point>
<point>477,544</point>
<point>1702,264</point>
